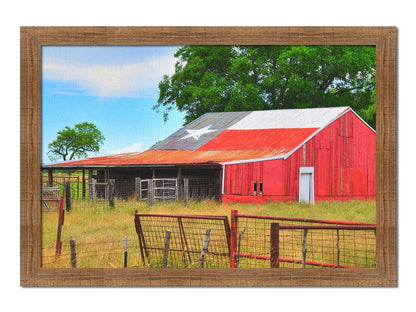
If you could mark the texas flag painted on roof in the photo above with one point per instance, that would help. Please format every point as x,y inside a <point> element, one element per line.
<point>258,130</point>
<point>229,137</point>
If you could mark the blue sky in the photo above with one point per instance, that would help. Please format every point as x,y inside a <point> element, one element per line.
<point>112,87</point>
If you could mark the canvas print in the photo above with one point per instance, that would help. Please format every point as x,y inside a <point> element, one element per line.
<point>208,157</point>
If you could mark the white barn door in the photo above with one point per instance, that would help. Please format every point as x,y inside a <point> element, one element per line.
<point>306,187</point>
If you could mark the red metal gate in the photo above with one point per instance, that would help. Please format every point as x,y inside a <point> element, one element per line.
<point>268,241</point>
<point>186,239</point>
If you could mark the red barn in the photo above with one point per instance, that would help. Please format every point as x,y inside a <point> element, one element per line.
<point>279,155</point>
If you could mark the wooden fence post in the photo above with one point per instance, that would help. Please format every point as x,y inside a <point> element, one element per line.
<point>166,249</point>
<point>150,193</point>
<point>73,253</point>
<point>125,252</point>
<point>274,245</point>
<point>233,239</point>
<point>61,211</point>
<point>204,249</point>
<point>186,191</point>
<point>137,187</point>
<point>338,249</point>
<point>111,193</point>
<point>304,249</point>
<point>68,195</point>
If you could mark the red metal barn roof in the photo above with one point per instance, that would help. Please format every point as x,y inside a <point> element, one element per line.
<point>220,138</point>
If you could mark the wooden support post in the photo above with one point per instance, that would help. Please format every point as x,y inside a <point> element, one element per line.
<point>73,252</point>
<point>93,189</point>
<point>186,191</point>
<point>50,178</point>
<point>304,249</point>
<point>106,180</point>
<point>274,245</point>
<point>83,183</point>
<point>233,239</point>
<point>166,249</point>
<point>68,195</point>
<point>137,187</point>
<point>90,180</point>
<point>111,193</point>
<point>220,182</point>
<point>150,193</point>
<point>77,187</point>
<point>204,249</point>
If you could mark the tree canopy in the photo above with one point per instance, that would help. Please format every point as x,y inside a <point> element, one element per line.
<point>73,143</point>
<point>245,78</point>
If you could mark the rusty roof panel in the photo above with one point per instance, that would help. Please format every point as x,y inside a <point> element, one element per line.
<point>173,157</point>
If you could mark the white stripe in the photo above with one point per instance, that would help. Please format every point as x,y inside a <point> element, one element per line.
<point>288,118</point>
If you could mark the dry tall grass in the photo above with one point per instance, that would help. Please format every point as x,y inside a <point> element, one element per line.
<point>100,232</point>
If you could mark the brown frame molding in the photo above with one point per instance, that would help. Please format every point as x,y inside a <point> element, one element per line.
<point>33,38</point>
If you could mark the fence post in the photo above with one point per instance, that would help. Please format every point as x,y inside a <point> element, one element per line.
<point>73,253</point>
<point>166,249</point>
<point>233,239</point>
<point>137,191</point>
<point>186,191</point>
<point>150,193</point>
<point>111,191</point>
<point>274,245</point>
<point>68,195</point>
<point>50,178</point>
<point>338,249</point>
<point>304,249</point>
<point>204,248</point>
<point>61,211</point>
<point>125,252</point>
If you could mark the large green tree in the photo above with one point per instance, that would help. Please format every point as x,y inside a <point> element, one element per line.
<point>72,143</point>
<point>237,78</point>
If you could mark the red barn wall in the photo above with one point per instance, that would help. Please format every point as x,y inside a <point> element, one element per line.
<point>343,155</point>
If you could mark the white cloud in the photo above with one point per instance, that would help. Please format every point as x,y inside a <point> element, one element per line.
<point>135,147</point>
<point>132,80</point>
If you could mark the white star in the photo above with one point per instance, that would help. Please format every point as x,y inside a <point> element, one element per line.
<point>197,133</point>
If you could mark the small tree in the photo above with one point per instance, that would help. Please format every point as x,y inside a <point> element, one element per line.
<point>73,143</point>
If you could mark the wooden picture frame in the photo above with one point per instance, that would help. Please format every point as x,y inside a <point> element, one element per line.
<point>33,38</point>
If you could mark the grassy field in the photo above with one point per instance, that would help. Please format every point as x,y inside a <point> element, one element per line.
<point>100,232</point>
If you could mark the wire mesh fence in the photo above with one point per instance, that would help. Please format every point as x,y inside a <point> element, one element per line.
<point>305,242</point>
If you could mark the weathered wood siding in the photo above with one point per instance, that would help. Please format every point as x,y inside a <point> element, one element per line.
<point>343,155</point>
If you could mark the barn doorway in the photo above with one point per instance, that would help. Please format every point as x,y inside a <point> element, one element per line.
<point>306,187</point>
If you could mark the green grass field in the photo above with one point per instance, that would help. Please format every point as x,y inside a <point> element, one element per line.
<point>100,232</point>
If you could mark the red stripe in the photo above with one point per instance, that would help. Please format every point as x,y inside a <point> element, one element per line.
<point>259,139</point>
